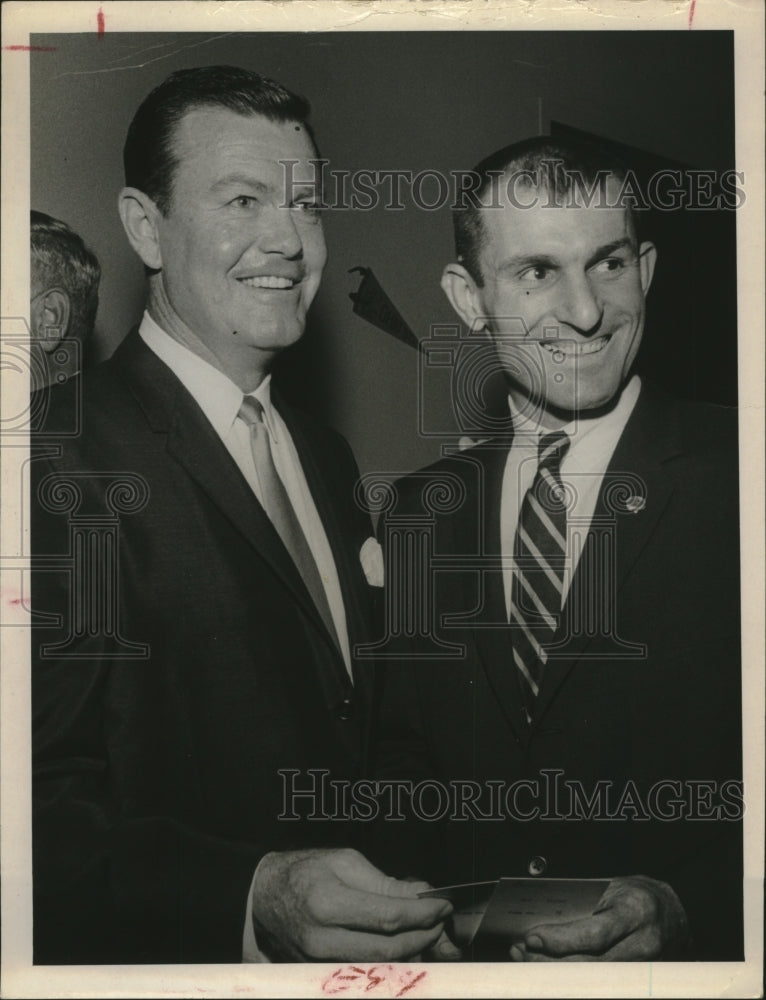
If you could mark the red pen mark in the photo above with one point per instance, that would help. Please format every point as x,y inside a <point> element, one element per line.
<point>387,980</point>
<point>14,600</point>
<point>30,48</point>
<point>13,597</point>
<point>100,20</point>
<point>691,12</point>
<point>374,980</point>
<point>411,983</point>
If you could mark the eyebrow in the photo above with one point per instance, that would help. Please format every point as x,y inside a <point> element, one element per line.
<point>232,180</point>
<point>244,180</point>
<point>609,248</point>
<point>524,261</point>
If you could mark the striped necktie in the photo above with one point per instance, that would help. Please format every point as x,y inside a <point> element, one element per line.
<point>539,554</point>
<point>276,503</point>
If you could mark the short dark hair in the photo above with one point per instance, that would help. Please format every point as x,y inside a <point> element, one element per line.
<point>550,164</point>
<point>149,157</point>
<point>61,259</point>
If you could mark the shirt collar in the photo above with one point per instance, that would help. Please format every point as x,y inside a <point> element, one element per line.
<point>217,396</point>
<point>587,434</point>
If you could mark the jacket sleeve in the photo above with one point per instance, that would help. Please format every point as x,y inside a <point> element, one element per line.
<point>110,885</point>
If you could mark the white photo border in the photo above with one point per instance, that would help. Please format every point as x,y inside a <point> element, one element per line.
<point>746,19</point>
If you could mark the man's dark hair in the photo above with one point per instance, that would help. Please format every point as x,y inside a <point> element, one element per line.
<point>149,156</point>
<point>60,259</point>
<point>558,167</point>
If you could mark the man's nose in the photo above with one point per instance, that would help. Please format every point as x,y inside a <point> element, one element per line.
<point>278,233</point>
<point>580,305</point>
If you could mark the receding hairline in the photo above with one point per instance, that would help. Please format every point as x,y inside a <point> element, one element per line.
<point>206,107</point>
<point>176,143</point>
<point>542,185</point>
<point>555,164</point>
<point>149,152</point>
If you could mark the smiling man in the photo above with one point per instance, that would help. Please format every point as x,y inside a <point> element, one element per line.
<point>575,279</point>
<point>589,587</point>
<point>203,591</point>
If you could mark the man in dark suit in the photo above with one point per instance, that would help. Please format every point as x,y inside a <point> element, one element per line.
<point>199,593</point>
<point>575,694</point>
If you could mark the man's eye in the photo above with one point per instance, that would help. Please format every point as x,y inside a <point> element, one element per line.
<point>535,274</point>
<point>244,201</point>
<point>609,266</point>
<point>312,208</point>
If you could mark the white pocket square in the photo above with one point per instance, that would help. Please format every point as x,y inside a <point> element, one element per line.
<point>371,558</point>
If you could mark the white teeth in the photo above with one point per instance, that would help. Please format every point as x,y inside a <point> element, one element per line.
<point>568,348</point>
<point>268,281</point>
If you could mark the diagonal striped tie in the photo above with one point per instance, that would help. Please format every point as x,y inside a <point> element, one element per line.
<point>276,503</point>
<point>539,554</point>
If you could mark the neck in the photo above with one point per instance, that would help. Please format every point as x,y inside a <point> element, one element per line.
<point>546,417</point>
<point>550,418</point>
<point>245,366</point>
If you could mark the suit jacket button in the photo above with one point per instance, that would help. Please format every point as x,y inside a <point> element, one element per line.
<point>346,709</point>
<point>537,865</point>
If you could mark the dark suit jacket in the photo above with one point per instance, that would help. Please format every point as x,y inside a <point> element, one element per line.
<point>670,714</point>
<point>175,697</point>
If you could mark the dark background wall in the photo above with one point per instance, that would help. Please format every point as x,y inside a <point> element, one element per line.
<point>408,101</point>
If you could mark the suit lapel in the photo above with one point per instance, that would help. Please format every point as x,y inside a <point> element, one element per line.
<point>637,470</point>
<point>319,468</point>
<point>489,627</point>
<point>328,494</point>
<point>193,443</point>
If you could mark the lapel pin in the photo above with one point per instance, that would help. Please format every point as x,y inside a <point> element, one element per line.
<point>634,504</point>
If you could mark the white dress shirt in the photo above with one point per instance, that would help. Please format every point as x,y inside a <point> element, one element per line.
<point>593,440</point>
<point>220,399</point>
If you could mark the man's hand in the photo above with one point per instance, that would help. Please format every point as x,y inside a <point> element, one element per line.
<point>322,905</point>
<point>445,950</point>
<point>637,919</point>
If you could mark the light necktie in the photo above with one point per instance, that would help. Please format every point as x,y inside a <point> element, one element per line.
<point>539,556</point>
<point>280,511</point>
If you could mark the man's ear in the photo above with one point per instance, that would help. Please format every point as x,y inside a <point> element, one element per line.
<point>140,219</point>
<point>647,258</point>
<point>464,296</point>
<point>50,312</point>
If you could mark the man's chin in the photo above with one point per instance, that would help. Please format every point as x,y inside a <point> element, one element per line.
<point>274,338</point>
<point>555,411</point>
<point>598,400</point>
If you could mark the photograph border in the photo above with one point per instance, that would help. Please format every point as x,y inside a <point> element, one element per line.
<point>667,979</point>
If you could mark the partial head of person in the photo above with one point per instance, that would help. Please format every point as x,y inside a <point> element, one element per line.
<point>221,204</point>
<point>550,264</point>
<point>65,277</point>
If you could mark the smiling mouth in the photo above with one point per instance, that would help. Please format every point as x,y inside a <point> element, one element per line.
<point>570,348</point>
<point>269,281</point>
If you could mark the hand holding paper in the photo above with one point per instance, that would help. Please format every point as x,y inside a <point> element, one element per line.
<point>315,905</point>
<point>637,919</point>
